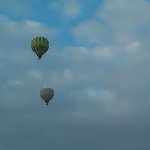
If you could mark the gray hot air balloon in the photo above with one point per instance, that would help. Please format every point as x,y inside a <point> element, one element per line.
<point>47,94</point>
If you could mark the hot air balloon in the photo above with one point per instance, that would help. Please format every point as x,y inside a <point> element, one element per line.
<point>47,94</point>
<point>40,46</point>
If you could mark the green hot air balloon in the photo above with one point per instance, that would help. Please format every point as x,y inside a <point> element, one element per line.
<point>47,94</point>
<point>40,46</point>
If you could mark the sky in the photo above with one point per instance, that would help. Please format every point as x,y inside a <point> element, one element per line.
<point>98,66</point>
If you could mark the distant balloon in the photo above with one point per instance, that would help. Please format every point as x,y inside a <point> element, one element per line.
<point>47,94</point>
<point>40,46</point>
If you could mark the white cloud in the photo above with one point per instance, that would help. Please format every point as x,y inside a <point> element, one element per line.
<point>76,53</point>
<point>91,32</point>
<point>76,67</point>
<point>67,9</point>
<point>67,75</point>
<point>103,52</point>
<point>81,54</point>
<point>15,82</point>
<point>17,35</point>
<point>63,78</point>
<point>54,5</point>
<point>107,96</point>
<point>115,23</point>
<point>35,74</point>
<point>24,28</point>
<point>104,101</point>
<point>127,18</point>
<point>71,9</point>
<point>133,47</point>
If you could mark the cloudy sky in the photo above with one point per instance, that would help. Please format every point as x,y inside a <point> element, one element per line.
<point>98,65</point>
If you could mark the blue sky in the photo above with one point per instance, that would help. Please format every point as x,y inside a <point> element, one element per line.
<point>98,67</point>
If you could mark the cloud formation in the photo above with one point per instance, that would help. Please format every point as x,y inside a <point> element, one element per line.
<point>101,81</point>
<point>68,9</point>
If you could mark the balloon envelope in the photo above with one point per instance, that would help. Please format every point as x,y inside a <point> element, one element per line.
<point>47,94</point>
<point>40,46</point>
